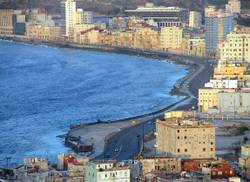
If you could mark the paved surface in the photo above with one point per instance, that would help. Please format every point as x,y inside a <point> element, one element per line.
<point>128,142</point>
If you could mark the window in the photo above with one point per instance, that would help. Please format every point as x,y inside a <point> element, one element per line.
<point>204,149</point>
<point>178,150</point>
<point>212,149</point>
<point>185,150</point>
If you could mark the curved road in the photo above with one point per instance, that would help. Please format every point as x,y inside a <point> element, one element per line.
<point>128,142</point>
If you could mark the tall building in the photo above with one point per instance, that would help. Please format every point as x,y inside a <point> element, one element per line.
<point>103,171</point>
<point>218,24</point>
<point>171,38</point>
<point>187,138</point>
<point>233,6</point>
<point>63,19</point>
<point>70,16</point>
<point>79,16</point>
<point>195,19</point>
<point>236,47</point>
<point>6,21</point>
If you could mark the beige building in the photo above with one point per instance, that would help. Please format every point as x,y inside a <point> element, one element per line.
<point>244,160</point>
<point>107,171</point>
<point>208,98</point>
<point>79,29</point>
<point>236,47</point>
<point>233,6</point>
<point>146,38</point>
<point>196,47</point>
<point>6,21</point>
<point>171,38</point>
<point>195,19</point>
<point>52,33</point>
<point>36,162</point>
<point>170,165</point>
<point>186,137</point>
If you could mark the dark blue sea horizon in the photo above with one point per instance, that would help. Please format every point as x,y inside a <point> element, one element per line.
<point>45,89</point>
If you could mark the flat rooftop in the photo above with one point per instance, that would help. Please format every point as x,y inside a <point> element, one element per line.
<point>185,123</point>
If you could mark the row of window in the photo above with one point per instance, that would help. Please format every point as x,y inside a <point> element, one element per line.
<point>203,150</point>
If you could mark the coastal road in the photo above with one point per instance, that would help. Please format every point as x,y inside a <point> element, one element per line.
<point>128,142</point>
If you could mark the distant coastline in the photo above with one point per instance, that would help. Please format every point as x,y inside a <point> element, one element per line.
<point>193,63</point>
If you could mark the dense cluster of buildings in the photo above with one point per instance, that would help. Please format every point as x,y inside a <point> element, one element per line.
<point>185,151</point>
<point>148,27</point>
<point>228,90</point>
<point>185,145</point>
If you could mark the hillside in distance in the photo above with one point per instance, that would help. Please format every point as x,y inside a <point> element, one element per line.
<point>113,7</point>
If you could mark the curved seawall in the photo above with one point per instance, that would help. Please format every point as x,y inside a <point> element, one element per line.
<point>45,89</point>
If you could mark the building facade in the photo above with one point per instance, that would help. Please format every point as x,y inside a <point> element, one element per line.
<point>163,16</point>
<point>171,38</point>
<point>217,25</point>
<point>70,16</point>
<point>233,6</point>
<point>234,102</point>
<point>185,137</point>
<point>170,165</point>
<point>208,98</point>
<point>236,46</point>
<point>195,19</point>
<point>6,21</point>
<point>244,160</point>
<point>196,47</point>
<point>107,171</point>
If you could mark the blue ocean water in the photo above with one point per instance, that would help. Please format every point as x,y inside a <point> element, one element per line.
<point>45,89</point>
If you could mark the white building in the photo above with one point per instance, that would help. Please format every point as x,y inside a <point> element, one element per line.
<point>70,16</point>
<point>107,171</point>
<point>195,19</point>
<point>222,84</point>
<point>234,102</point>
<point>233,6</point>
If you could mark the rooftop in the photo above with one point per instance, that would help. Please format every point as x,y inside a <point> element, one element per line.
<point>151,7</point>
<point>185,123</point>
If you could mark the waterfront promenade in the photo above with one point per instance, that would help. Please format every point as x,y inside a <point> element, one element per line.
<point>127,141</point>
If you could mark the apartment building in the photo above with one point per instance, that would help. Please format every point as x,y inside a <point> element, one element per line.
<point>170,165</point>
<point>6,21</point>
<point>195,19</point>
<point>244,160</point>
<point>107,171</point>
<point>187,138</point>
<point>218,24</point>
<point>41,32</point>
<point>208,98</point>
<point>70,17</point>
<point>236,46</point>
<point>234,102</point>
<point>196,47</point>
<point>233,6</point>
<point>171,38</point>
